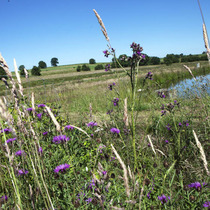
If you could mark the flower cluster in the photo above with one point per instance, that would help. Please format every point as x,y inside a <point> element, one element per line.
<point>164,199</point>
<point>69,127</point>
<point>197,185</point>
<point>137,49</point>
<point>92,124</point>
<point>184,123</point>
<point>115,130</point>
<point>149,75</point>
<point>61,168</point>
<point>115,101</point>
<point>60,139</point>
<point>10,140</point>
<point>29,109</point>
<point>20,152</point>
<point>169,107</point>
<point>6,130</point>
<point>161,94</point>
<point>106,53</point>
<point>111,86</point>
<point>207,204</point>
<point>22,172</point>
<point>41,105</point>
<point>107,67</point>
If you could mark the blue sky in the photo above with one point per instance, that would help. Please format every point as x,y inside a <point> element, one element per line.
<point>35,30</point>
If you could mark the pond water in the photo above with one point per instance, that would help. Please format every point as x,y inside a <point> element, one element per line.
<point>190,87</point>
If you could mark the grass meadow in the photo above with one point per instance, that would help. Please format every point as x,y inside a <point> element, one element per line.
<point>102,139</point>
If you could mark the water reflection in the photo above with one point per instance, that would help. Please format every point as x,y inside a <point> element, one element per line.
<point>190,87</point>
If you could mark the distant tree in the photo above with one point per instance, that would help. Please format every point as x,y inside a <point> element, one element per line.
<point>36,71</point>
<point>54,62</point>
<point>2,73</point>
<point>154,61</point>
<point>42,65</point>
<point>171,58</point>
<point>99,67</point>
<point>92,61</point>
<point>85,67</point>
<point>21,69</point>
<point>78,68</point>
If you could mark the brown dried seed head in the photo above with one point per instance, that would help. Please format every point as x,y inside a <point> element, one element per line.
<point>205,37</point>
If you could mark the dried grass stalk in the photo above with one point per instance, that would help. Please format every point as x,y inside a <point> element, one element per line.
<point>18,78</point>
<point>58,127</point>
<point>186,67</point>
<point>103,29</point>
<point>205,37</point>
<point>126,182</point>
<point>33,103</point>
<point>125,119</point>
<point>150,141</point>
<point>26,73</point>
<point>203,156</point>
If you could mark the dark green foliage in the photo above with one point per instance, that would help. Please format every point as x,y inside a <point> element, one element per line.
<point>99,67</point>
<point>2,73</point>
<point>54,61</point>
<point>85,67</point>
<point>92,61</point>
<point>171,58</point>
<point>36,71</point>
<point>21,69</point>
<point>154,61</point>
<point>191,58</point>
<point>78,68</point>
<point>42,65</point>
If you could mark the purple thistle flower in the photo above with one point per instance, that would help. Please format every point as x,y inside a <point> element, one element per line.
<point>104,172</point>
<point>39,116</point>
<point>61,168</point>
<point>180,124</point>
<point>6,130</point>
<point>89,200</point>
<point>45,133</point>
<point>148,194</point>
<point>40,150</point>
<point>60,139</point>
<point>68,127</point>
<point>109,111</point>
<point>107,67</point>
<point>149,75</point>
<point>22,172</point>
<point>195,185</point>
<point>41,105</point>
<point>4,197</point>
<point>163,112</point>
<point>166,141</point>
<point>115,130</point>
<point>92,124</point>
<point>106,53</point>
<point>29,109</point>
<point>163,199</point>
<point>115,101</point>
<point>206,204</point>
<point>168,127</point>
<point>20,152</point>
<point>187,124</point>
<point>10,140</point>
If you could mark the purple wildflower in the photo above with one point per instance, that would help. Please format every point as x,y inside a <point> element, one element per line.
<point>161,94</point>
<point>109,111</point>
<point>163,199</point>
<point>22,172</point>
<point>148,194</point>
<point>149,145</point>
<point>39,116</point>
<point>60,139</point>
<point>111,86</point>
<point>206,204</point>
<point>91,184</point>
<point>115,130</point>
<point>166,141</point>
<point>29,109</point>
<point>41,105</point>
<point>40,150</point>
<point>195,185</point>
<point>107,67</point>
<point>6,130</point>
<point>149,75</point>
<point>101,147</point>
<point>104,172</point>
<point>92,124</point>
<point>163,112</point>
<point>20,152</point>
<point>180,124</point>
<point>61,168</point>
<point>89,200</point>
<point>115,101</point>
<point>68,127</point>
<point>106,53</point>
<point>4,197</point>
<point>10,140</point>
<point>45,133</point>
<point>168,127</point>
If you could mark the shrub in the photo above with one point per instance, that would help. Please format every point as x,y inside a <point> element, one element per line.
<point>85,67</point>
<point>78,68</point>
<point>36,71</point>
<point>99,67</point>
